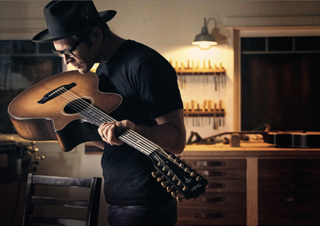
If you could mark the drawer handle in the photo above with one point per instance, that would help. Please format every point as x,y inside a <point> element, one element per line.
<point>296,165</point>
<point>296,216</point>
<point>209,163</point>
<point>216,185</point>
<point>209,215</point>
<point>212,200</point>
<point>296,174</point>
<point>296,186</point>
<point>212,173</point>
<point>295,199</point>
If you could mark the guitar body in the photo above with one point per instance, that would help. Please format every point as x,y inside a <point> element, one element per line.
<point>68,107</point>
<point>51,120</point>
<point>310,139</point>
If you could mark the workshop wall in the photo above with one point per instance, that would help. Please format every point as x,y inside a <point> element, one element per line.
<point>169,27</point>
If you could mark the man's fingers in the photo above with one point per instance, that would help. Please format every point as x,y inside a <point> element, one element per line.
<point>107,133</point>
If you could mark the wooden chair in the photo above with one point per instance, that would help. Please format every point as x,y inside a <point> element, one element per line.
<point>91,186</point>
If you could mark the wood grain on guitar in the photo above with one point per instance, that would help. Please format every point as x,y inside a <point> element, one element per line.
<point>68,107</point>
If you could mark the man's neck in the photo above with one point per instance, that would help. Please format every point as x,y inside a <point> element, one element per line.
<point>110,46</point>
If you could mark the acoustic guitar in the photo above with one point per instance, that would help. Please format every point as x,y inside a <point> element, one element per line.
<point>68,107</point>
<point>293,139</point>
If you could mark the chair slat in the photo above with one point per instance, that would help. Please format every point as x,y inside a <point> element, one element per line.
<point>57,221</point>
<point>59,202</point>
<point>91,204</point>
<point>62,181</point>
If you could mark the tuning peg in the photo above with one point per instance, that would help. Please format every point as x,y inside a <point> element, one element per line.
<point>169,173</point>
<point>40,157</point>
<point>175,161</point>
<point>174,178</point>
<point>179,199</point>
<point>169,188</point>
<point>187,170</point>
<point>32,148</point>
<point>198,178</point>
<point>164,169</point>
<point>171,156</point>
<point>184,188</point>
<point>179,183</point>
<point>160,178</point>
<point>154,174</point>
<point>174,194</point>
<point>164,183</point>
<point>192,174</point>
<point>181,165</point>
<point>159,164</point>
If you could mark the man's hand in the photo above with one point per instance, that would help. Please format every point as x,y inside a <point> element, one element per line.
<point>107,131</point>
<point>169,133</point>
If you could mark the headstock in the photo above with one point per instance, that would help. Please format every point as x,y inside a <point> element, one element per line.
<point>177,177</point>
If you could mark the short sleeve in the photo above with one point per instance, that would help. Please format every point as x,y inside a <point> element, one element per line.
<point>157,86</point>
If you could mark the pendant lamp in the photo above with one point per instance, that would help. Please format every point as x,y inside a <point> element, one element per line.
<point>204,40</point>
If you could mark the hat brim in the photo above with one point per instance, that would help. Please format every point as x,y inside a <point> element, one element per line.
<point>44,35</point>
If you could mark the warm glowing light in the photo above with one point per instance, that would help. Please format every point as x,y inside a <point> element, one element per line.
<point>204,40</point>
<point>204,44</point>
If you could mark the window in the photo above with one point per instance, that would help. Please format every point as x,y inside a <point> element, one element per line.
<point>22,64</point>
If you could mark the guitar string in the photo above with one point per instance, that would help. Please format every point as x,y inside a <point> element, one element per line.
<point>102,117</point>
<point>83,107</point>
<point>86,114</point>
<point>132,134</point>
<point>131,137</point>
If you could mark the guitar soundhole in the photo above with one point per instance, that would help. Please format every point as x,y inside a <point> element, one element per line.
<point>77,105</point>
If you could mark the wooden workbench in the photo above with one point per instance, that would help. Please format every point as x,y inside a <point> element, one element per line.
<point>259,172</point>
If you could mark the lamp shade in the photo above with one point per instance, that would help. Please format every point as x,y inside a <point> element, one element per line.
<point>204,40</point>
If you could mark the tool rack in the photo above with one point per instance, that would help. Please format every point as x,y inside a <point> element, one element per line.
<point>207,73</point>
<point>197,70</point>
<point>208,110</point>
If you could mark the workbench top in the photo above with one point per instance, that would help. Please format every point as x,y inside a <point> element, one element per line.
<point>251,148</point>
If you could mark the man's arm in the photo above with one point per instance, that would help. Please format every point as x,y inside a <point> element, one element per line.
<point>169,134</point>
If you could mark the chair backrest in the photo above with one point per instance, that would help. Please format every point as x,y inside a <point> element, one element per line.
<point>92,187</point>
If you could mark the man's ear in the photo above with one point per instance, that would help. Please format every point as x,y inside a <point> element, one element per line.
<point>96,35</point>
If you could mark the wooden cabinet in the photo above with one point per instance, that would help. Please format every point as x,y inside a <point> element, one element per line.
<point>224,202</point>
<point>289,192</point>
<point>254,186</point>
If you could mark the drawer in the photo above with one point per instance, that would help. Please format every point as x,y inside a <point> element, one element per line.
<point>223,174</point>
<point>285,173</point>
<point>289,199</point>
<point>217,199</point>
<point>302,185</point>
<point>289,163</point>
<point>276,215</point>
<point>212,216</point>
<point>216,163</point>
<point>226,185</point>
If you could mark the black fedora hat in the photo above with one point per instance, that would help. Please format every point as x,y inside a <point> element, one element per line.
<point>65,18</point>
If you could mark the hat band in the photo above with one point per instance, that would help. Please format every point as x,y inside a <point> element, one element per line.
<point>58,30</point>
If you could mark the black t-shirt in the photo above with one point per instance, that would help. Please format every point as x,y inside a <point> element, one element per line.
<point>148,85</point>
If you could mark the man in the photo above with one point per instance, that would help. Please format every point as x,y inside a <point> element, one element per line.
<point>151,106</point>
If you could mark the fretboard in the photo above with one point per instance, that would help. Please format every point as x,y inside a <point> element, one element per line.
<point>94,116</point>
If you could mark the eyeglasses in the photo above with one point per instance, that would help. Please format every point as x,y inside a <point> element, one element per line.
<point>68,52</point>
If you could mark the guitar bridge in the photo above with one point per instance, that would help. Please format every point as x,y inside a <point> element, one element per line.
<point>56,92</point>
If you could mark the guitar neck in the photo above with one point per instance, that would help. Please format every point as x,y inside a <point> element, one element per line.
<point>174,174</point>
<point>128,136</point>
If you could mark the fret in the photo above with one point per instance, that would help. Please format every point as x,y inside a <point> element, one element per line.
<point>172,173</point>
<point>130,137</point>
<point>137,141</point>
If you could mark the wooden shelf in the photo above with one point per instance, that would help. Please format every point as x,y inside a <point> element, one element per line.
<point>206,111</point>
<point>193,69</point>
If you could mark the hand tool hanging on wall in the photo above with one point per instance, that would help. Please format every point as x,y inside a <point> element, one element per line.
<point>199,74</point>
<point>209,110</point>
